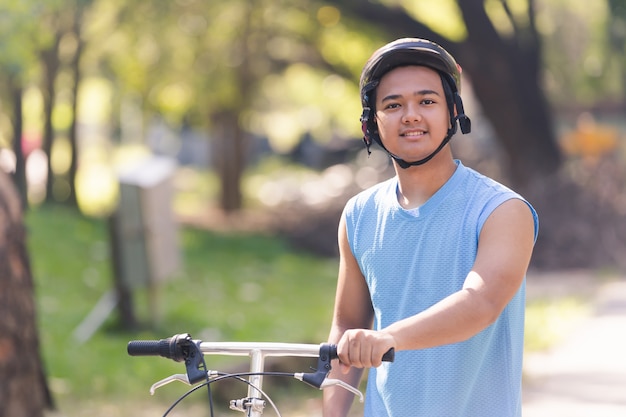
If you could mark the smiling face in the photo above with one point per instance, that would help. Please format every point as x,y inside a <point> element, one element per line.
<point>411,111</point>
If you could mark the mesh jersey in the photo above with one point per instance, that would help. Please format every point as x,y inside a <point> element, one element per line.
<point>411,261</point>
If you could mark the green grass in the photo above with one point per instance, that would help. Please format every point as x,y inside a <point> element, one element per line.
<point>231,287</point>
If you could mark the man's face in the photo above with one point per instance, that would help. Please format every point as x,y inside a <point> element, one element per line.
<point>411,112</point>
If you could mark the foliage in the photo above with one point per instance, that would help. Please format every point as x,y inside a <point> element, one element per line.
<point>18,36</point>
<point>280,69</point>
<point>578,62</point>
<point>443,17</point>
<point>183,60</point>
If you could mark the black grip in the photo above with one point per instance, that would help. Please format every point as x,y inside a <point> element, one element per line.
<point>149,348</point>
<point>176,347</point>
<point>389,356</point>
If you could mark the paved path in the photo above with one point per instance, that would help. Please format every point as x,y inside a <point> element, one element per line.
<point>585,376</point>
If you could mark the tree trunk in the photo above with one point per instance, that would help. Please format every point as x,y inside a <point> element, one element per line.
<point>73,133</point>
<point>230,137</point>
<point>19,176</point>
<point>23,391</point>
<point>50,61</point>
<point>505,74</point>
<point>228,151</point>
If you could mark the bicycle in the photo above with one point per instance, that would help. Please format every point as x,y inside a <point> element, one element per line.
<point>182,347</point>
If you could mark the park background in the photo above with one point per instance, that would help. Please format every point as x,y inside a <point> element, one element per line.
<point>239,120</point>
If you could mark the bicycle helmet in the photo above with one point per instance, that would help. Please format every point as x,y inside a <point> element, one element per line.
<point>411,51</point>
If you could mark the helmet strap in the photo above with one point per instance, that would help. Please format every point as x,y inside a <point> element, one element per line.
<point>404,164</point>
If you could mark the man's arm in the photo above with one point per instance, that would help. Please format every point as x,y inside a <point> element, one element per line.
<point>353,309</point>
<point>504,250</point>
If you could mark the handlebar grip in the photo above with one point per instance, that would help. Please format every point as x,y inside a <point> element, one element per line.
<point>149,348</point>
<point>175,347</point>
<point>389,356</point>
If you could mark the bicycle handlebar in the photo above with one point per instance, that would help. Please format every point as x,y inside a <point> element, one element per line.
<point>182,347</point>
<point>172,348</point>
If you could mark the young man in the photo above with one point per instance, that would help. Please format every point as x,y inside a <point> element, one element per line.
<point>432,261</point>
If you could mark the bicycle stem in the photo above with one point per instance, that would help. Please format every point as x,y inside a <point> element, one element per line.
<point>257,366</point>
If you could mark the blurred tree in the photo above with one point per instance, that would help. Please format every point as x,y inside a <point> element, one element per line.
<point>29,46</point>
<point>24,390</point>
<point>276,68</point>
<point>582,70</point>
<point>616,28</point>
<point>504,66</point>
<point>49,56</point>
<point>16,91</point>
<point>212,63</point>
<point>50,63</point>
<point>17,34</point>
<point>207,64</point>
<point>63,20</point>
<point>229,137</point>
<point>75,34</point>
<point>506,72</point>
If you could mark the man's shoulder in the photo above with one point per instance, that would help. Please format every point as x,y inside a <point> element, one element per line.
<point>489,184</point>
<point>374,190</point>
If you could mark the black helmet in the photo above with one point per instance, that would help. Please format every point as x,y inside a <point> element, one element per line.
<point>409,51</point>
<point>412,51</point>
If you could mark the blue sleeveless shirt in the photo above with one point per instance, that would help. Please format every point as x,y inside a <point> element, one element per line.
<point>413,259</point>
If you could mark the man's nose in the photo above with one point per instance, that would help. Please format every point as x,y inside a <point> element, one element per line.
<point>411,113</point>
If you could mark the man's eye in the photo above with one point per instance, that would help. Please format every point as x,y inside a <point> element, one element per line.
<point>428,101</point>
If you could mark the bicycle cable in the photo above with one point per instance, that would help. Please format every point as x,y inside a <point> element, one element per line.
<point>208,387</point>
<point>238,376</point>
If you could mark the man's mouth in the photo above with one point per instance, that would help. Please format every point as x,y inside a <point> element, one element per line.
<point>414,133</point>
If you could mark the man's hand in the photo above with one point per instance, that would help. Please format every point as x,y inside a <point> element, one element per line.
<point>361,348</point>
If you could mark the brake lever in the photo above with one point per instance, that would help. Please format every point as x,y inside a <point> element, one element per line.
<point>318,379</point>
<point>329,382</point>
<point>336,382</point>
<point>176,377</point>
